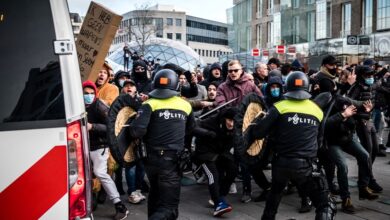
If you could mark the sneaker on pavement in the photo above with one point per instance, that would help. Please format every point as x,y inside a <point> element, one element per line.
<point>135,198</point>
<point>138,191</point>
<point>246,197</point>
<point>211,203</point>
<point>233,189</point>
<point>121,211</point>
<point>347,207</point>
<point>221,209</point>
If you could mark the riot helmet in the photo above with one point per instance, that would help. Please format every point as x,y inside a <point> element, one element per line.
<point>165,84</point>
<point>297,86</point>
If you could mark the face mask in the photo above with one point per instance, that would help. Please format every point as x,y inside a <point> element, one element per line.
<point>284,78</point>
<point>275,92</point>
<point>332,71</point>
<point>369,81</point>
<point>121,82</point>
<point>88,98</point>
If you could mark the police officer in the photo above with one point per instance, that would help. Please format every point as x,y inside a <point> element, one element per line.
<point>293,123</point>
<point>163,121</point>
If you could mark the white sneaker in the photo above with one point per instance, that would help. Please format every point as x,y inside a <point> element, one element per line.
<point>134,198</point>
<point>138,191</point>
<point>233,189</point>
<point>211,203</point>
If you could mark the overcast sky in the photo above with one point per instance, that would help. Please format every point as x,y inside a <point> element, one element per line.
<point>209,9</point>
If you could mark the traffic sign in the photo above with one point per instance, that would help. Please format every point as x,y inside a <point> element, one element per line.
<point>280,49</point>
<point>255,52</point>
<point>352,40</point>
<point>291,49</point>
<point>265,53</point>
<point>364,40</point>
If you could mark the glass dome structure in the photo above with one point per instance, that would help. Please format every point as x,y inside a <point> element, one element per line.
<point>168,51</point>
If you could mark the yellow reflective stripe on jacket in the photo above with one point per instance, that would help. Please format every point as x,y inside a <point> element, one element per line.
<point>174,102</point>
<point>300,106</point>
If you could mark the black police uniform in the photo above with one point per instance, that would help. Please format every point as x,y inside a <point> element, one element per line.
<point>293,124</point>
<point>163,121</point>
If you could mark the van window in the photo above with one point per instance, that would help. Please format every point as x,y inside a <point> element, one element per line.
<point>30,84</point>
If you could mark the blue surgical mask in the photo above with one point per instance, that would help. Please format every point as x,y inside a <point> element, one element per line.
<point>284,78</point>
<point>275,92</point>
<point>369,81</point>
<point>88,98</point>
<point>121,82</point>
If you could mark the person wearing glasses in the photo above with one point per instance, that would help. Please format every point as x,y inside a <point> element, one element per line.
<point>140,77</point>
<point>237,85</point>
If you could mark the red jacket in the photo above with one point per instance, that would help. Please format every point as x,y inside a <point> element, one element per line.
<point>233,89</point>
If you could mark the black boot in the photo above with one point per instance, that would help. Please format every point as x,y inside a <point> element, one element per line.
<point>102,195</point>
<point>366,193</point>
<point>305,205</point>
<point>347,206</point>
<point>374,186</point>
<point>263,196</point>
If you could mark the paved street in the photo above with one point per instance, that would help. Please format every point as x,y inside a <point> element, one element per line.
<point>194,198</point>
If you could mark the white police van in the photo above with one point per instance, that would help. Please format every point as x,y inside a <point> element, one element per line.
<point>44,159</point>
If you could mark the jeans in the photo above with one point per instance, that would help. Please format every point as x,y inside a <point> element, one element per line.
<point>99,159</point>
<point>378,119</point>
<point>355,149</point>
<point>367,135</point>
<point>135,174</point>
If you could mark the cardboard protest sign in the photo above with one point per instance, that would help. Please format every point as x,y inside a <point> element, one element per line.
<point>96,34</point>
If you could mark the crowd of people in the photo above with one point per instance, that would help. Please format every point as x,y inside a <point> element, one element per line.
<point>307,120</point>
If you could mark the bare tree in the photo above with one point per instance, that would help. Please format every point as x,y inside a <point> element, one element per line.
<point>143,26</point>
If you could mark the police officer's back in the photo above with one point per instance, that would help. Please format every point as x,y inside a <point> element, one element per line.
<point>163,121</point>
<point>293,124</point>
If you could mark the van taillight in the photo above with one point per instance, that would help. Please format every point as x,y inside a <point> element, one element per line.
<point>77,180</point>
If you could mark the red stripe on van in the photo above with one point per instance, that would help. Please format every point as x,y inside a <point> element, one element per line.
<point>39,188</point>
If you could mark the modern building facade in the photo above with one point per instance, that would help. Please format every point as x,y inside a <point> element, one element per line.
<point>315,28</point>
<point>208,38</point>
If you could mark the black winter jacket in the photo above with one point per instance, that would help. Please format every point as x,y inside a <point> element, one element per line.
<point>361,92</point>
<point>97,116</point>
<point>213,140</point>
<point>338,131</point>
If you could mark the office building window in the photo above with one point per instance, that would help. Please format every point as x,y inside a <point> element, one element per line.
<point>277,28</point>
<point>169,36</point>
<point>383,14</point>
<point>323,20</point>
<point>259,8</point>
<point>346,24</point>
<point>258,35</point>
<point>170,21</point>
<point>309,2</point>
<point>270,34</point>
<point>178,22</point>
<point>296,29</point>
<point>310,26</point>
<point>178,36</point>
<point>295,3</point>
<point>249,10</point>
<point>367,16</point>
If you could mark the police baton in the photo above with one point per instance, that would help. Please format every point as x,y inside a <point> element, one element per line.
<point>217,108</point>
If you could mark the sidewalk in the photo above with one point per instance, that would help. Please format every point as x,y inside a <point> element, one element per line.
<point>193,205</point>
